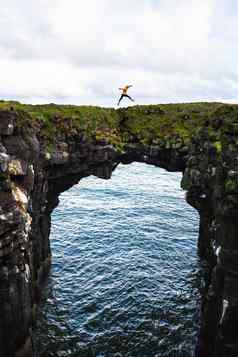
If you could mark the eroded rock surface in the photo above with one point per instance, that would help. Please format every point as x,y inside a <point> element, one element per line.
<point>45,150</point>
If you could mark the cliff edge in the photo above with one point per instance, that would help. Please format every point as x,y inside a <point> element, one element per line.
<point>45,150</point>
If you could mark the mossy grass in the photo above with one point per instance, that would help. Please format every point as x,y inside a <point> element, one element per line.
<point>145,123</point>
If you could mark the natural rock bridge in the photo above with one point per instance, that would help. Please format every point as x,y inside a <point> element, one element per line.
<point>44,150</point>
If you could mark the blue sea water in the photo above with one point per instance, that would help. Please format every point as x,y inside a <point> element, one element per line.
<point>125,278</point>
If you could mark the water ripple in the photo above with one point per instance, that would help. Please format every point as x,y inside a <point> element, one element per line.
<point>125,279</point>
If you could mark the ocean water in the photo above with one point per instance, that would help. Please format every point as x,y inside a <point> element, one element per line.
<point>125,279</point>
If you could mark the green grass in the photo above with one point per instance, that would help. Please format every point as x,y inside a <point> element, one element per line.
<point>170,121</point>
<point>145,124</point>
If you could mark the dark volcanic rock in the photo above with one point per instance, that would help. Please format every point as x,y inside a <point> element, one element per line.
<point>6,122</point>
<point>45,153</point>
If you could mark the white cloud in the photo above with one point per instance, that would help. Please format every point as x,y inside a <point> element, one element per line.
<point>80,52</point>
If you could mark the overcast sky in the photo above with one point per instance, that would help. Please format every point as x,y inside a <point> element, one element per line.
<point>80,52</point>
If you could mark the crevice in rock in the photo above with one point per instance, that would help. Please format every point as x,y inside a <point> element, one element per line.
<point>45,150</point>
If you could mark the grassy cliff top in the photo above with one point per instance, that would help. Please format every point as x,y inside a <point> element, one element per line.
<point>145,123</point>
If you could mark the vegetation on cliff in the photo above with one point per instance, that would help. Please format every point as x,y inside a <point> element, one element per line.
<point>165,124</point>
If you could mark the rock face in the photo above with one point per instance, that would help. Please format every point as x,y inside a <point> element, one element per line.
<point>46,150</point>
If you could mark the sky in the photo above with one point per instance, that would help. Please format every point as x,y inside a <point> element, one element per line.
<point>80,52</point>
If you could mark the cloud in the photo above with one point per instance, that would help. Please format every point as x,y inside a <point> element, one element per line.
<point>82,51</point>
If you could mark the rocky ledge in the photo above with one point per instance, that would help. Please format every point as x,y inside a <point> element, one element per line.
<point>44,150</point>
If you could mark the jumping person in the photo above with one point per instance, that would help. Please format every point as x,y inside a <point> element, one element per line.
<point>124,94</point>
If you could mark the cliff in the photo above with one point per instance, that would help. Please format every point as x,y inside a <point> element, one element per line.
<point>44,150</point>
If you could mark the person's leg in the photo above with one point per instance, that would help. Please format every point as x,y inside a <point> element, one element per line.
<point>129,97</point>
<point>120,99</point>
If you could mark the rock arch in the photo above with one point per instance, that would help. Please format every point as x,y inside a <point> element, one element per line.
<point>44,150</point>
